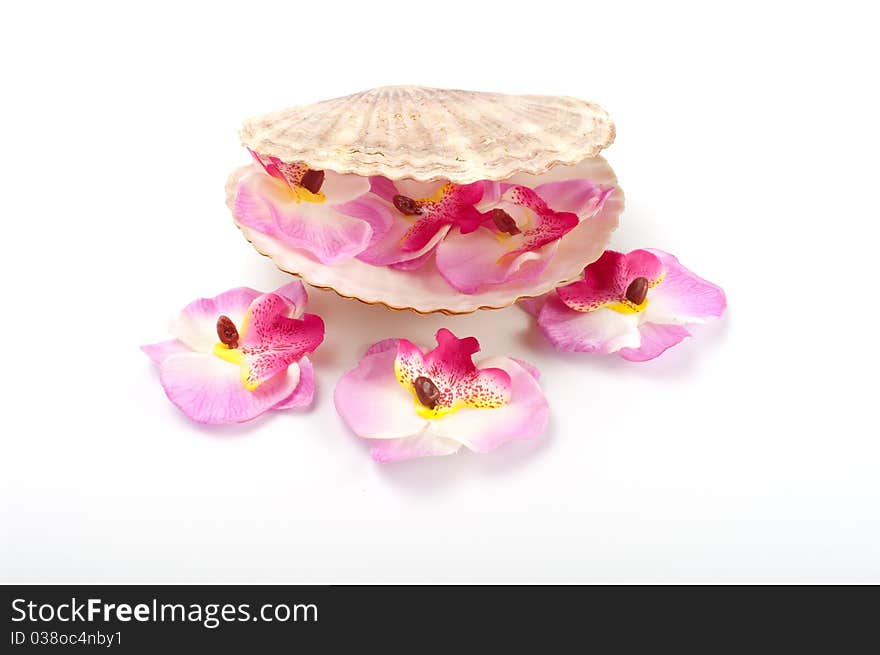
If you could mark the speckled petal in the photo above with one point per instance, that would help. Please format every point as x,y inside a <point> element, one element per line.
<point>271,340</point>
<point>606,279</point>
<point>524,417</point>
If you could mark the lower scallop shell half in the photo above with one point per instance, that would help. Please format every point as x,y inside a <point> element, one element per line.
<point>424,290</point>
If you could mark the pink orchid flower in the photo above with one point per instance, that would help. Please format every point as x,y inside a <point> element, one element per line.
<point>419,215</point>
<point>635,304</point>
<point>414,404</point>
<point>521,234</point>
<point>320,212</point>
<point>239,354</point>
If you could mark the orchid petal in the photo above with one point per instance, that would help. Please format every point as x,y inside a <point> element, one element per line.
<point>524,417</point>
<point>455,206</point>
<point>267,205</point>
<point>682,296</point>
<point>606,279</point>
<point>426,444</point>
<point>533,306</point>
<point>372,402</point>
<point>340,189</point>
<point>386,251</point>
<point>551,225</point>
<point>373,211</point>
<point>295,293</point>
<point>470,261</point>
<point>304,394</point>
<point>209,390</point>
<point>577,196</point>
<point>601,331</point>
<point>271,340</point>
<point>496,401</point>
<point>159,352</point>
<point>655,339</point>
<point>196,325</point>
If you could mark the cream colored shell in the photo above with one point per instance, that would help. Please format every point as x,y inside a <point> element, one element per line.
<point>429,134</point>
<point>424,290</point>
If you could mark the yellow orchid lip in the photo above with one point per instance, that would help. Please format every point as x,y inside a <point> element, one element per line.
<point>302,194</point>
<point>626,305</point>
<point>445,379</point>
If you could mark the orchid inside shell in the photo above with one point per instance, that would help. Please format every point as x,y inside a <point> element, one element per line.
<point>237,355</point>
<point>636,304</point>
<point>430,199</point>
<point>411,403</point>
<point>305,208</point>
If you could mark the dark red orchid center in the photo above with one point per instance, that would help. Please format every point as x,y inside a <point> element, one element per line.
<point>637,290</point>
<point>227,332</point>
<point>427,392</point>
<point>406,205</point>
<point>312,180</point>
<point>504,221</point>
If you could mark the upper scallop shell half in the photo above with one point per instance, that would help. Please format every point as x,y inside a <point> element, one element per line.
<point>428,134</point>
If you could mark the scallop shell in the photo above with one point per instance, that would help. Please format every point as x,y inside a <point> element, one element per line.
<point>430,134</point>
<point>424,290</point>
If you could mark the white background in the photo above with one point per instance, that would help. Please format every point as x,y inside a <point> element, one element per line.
<point>747,141</point>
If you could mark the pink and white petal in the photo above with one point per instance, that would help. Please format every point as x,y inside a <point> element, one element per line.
<point>254,196</point>
<point>643,263</point>
<point>425,444</point>
<point>209,390</point>
<point>386,251</point>
<point>452,356</point>
<point>531,368</point>
<point>159,352</point>
<point>422,233</point>
<point>683,297</point>
<point>409,362</point>
<point>304,394</point>
<point>382,346</point>
<point>383,187</point>
<point>549,225</point>
<point>489,388</point>
<point>470,261</point>
<point>417,190</point>
<point>295,293</point>
<point>599,331</point>
<point>321,230</point>
<point>379,215</point>
<point>414,263</point>
<point>605,280</point>
<point>655,339</point>
<point>525,416</point>
<point>196,325</point>
<point>340,189</point>
<point>577,196</point>
<point>267,205</point>
<point>492,193</point>
<point>373,404</point>
<point>271,340</point>
<point>533,306</point>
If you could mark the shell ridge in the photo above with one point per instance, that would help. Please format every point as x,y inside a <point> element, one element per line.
<point>429,134</point>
